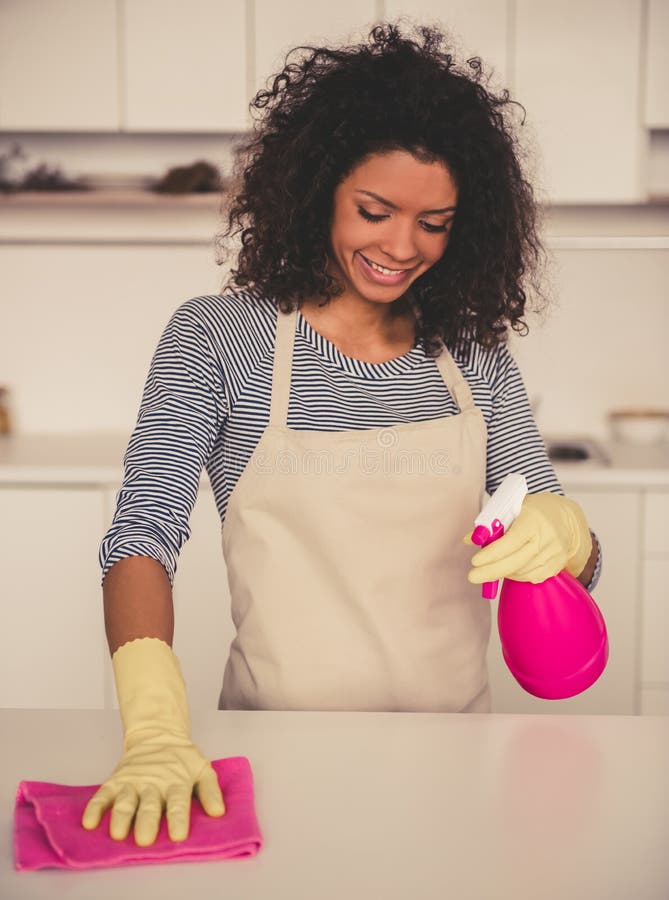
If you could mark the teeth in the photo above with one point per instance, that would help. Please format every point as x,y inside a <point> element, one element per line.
<point>382,269</point>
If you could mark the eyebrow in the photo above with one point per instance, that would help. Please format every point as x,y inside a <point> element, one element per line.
<point>425,212</point>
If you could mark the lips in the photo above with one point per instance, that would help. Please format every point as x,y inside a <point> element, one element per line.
<point>387,269</point>
<point>372,274</point>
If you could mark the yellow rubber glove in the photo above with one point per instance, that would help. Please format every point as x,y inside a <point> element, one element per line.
<point>160,766</point>
<point>550,534</point>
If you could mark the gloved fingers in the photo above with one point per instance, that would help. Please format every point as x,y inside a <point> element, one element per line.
<point>209,793</point>
<point>501,567</point>
<point>543,569</point>
<point>123,812</point>
<point>178,811</point>
<point>97,806</point>
<point>509,543</point>
<point>147,819</point>
<point>467,539</point>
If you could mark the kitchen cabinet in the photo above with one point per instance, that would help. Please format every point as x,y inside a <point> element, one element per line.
<point>204,628</point>
<point>656,109</point>
<point>655,623</point>
<point>58,65</point>
<point>52,629</point>
<point>479,29</point>
<point>656,522</point>
<point>109,495</point>
<point>185,67</point>
<point>281,26</point>
<point>616,517</point>
<point>583,120</point>
<point>577,73</point>
<point>110,65</point>
<point>654,687</point>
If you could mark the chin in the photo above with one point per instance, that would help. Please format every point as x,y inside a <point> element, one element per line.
<point>381,294</point>
<point>387,300</point>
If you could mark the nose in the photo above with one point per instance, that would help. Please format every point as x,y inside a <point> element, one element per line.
<point>399,244</point>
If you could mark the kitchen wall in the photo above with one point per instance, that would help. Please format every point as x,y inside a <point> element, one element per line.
<point>603,345</point>
<point>80,325</point>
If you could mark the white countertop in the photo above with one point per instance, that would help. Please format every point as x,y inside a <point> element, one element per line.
<point>90,459</point>
<point>63,459</point>
<point>627,466</point>
<point>396,806</point>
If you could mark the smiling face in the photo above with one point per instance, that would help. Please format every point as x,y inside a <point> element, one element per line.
<point>391,221</point>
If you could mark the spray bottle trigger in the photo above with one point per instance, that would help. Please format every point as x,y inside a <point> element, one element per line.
<point>489,588</point>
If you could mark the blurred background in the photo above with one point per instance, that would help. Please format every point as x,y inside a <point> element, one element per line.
<point>118,122</point>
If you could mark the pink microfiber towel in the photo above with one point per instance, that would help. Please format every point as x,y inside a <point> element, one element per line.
<point>48,832</point>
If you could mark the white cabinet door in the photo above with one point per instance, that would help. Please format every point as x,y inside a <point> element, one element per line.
<point>52,625</point>
<point>58,65</point>
<point>654,701</point>
<point>655,624</point>
<point>657,65</point>
<point>616,518</point>
<point>110,495</point>
<point>281,26</point>
<point>479,28</point>
<point>203,626</point>
<point>185,66</point>
<point>656,533</point>
<point>578,67</point>
<point>655,609</point>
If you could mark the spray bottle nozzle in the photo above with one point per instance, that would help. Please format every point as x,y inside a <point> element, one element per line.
<point>497,516</point>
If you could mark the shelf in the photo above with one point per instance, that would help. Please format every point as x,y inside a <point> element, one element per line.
<point>135,216</point>
<point>212,199</point>
<point>109,217</point>
<point>120,198</point>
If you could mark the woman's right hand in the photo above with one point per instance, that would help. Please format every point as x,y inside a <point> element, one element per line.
<point>156,774</point>
<point>160,767</point>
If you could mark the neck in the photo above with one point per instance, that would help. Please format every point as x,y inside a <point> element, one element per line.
<point>349,316</point>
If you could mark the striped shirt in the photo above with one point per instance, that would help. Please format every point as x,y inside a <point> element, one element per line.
<point>206,402</point>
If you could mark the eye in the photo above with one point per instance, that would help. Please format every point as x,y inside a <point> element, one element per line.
<point>426,226</point>
<point>370,217</point>
<point>433,228</point>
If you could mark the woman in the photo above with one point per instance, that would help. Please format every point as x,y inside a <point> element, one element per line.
<point>351,399</point>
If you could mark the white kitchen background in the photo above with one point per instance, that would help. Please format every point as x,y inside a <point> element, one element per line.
<point>117,89</point>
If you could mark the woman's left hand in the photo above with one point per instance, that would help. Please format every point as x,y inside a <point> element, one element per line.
<point>550,534</point>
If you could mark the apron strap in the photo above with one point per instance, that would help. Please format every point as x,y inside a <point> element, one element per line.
<point>283,358</point>
<point>454,380</point>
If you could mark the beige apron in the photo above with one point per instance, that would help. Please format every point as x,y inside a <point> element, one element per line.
<point>346,565</point>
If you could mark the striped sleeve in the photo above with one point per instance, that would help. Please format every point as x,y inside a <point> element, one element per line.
<point>183,406</point>
<point>514,442</point>
<point>598,566</point>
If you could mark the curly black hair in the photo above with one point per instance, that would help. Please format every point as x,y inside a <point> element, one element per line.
<point>324,113</point>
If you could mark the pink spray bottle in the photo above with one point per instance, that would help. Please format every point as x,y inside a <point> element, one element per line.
<point>552,634</point>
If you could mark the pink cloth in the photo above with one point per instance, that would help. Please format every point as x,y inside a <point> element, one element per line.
<point>48,832</point>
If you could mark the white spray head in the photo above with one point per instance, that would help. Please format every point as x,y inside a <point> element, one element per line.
<point>505,503</point>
